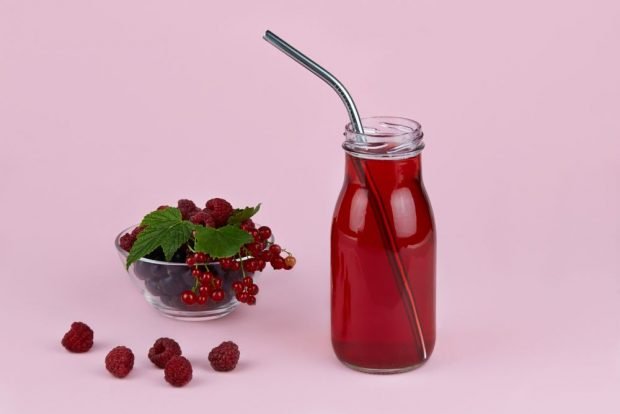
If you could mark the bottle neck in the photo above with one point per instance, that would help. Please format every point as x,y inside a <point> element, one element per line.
<point>385,172</point>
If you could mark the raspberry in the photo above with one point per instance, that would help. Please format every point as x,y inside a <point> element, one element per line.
<point>79,338</point>
<point>127,241</point>
<point>163,350</point>
<point>203,217</point>
<point>119,361</point>
<point>187,208</point>
<point>137,231</point>
<point>220,209</point>
<point>225,356</point>
<point>178,371</point>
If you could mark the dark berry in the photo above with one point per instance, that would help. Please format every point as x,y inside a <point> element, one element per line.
<point>119,361</point>
<point>220,209</point>
<point>163,350</point>
<point>290,262</point>
<point>79,338</point>
<point>275,249</point>
<point>264,232</point>
<point>188,297</point>
<point>225,356</point>
<point>178,371</point>
<point>251,300</point>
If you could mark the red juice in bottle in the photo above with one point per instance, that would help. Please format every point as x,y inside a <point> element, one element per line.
<point>383,252</point>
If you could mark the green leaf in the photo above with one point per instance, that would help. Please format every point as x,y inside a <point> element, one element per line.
<point>239,216</point>
<point>163,228</point>
<point>223,242</point>
<point>167,215</point>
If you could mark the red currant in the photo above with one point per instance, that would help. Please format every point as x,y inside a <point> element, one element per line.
<point>203,291</point>
<point>217,282</point>
<point>260,265</point>
<point>234,265</point>
<point>190,261</point>
<point>217,295</point>
<point>247,281</point>
<point>201,300</point>
<point>277,263</point>
<point>265,255</point>
<point>264,232</point>
<point>253,290</point>
<point>275,249</point>
<point>199,257</point>
<point>290,261</point>
<point>225,263</point>
<point>188,297</point>
<point>197,273</point>
<point>251,300</point>
<point>242,297</point>
<point>254,234</point>
<point>250,265</point>
<point>205,278</point>
<point>237,287</point>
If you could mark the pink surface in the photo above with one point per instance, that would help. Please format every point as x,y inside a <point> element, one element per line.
<point>109,109</point>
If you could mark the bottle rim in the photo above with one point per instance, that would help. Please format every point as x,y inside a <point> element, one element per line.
<point>384,137</point>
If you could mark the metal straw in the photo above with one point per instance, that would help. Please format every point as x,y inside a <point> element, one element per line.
<point>323,74</point>
<point>399,271</point>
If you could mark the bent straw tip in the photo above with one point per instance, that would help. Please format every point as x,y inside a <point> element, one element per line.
<point>268,34</point>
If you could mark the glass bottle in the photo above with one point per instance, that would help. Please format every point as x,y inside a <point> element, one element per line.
<point>383,251</point>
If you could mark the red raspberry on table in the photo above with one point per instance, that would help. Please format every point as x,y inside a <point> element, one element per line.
<point>163,350</point>
<point>79,338</point>
<point>178,371</point>
<point>225,356</point>
<point>203,217</point>
<point>220,209</point>
<point>119,361</point>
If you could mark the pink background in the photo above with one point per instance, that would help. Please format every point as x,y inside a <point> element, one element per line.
<point>111,108</point>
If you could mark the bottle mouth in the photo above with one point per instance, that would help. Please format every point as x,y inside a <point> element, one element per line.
<point>384,137</point>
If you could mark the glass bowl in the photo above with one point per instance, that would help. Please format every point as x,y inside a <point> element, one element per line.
<point>162,283</point>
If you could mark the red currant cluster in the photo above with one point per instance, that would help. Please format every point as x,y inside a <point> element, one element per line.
<point>246,291</point>
<point>207,284</point>
<point>253,257</point>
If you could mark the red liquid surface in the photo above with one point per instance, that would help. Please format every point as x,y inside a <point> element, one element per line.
<point>373,323</point>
